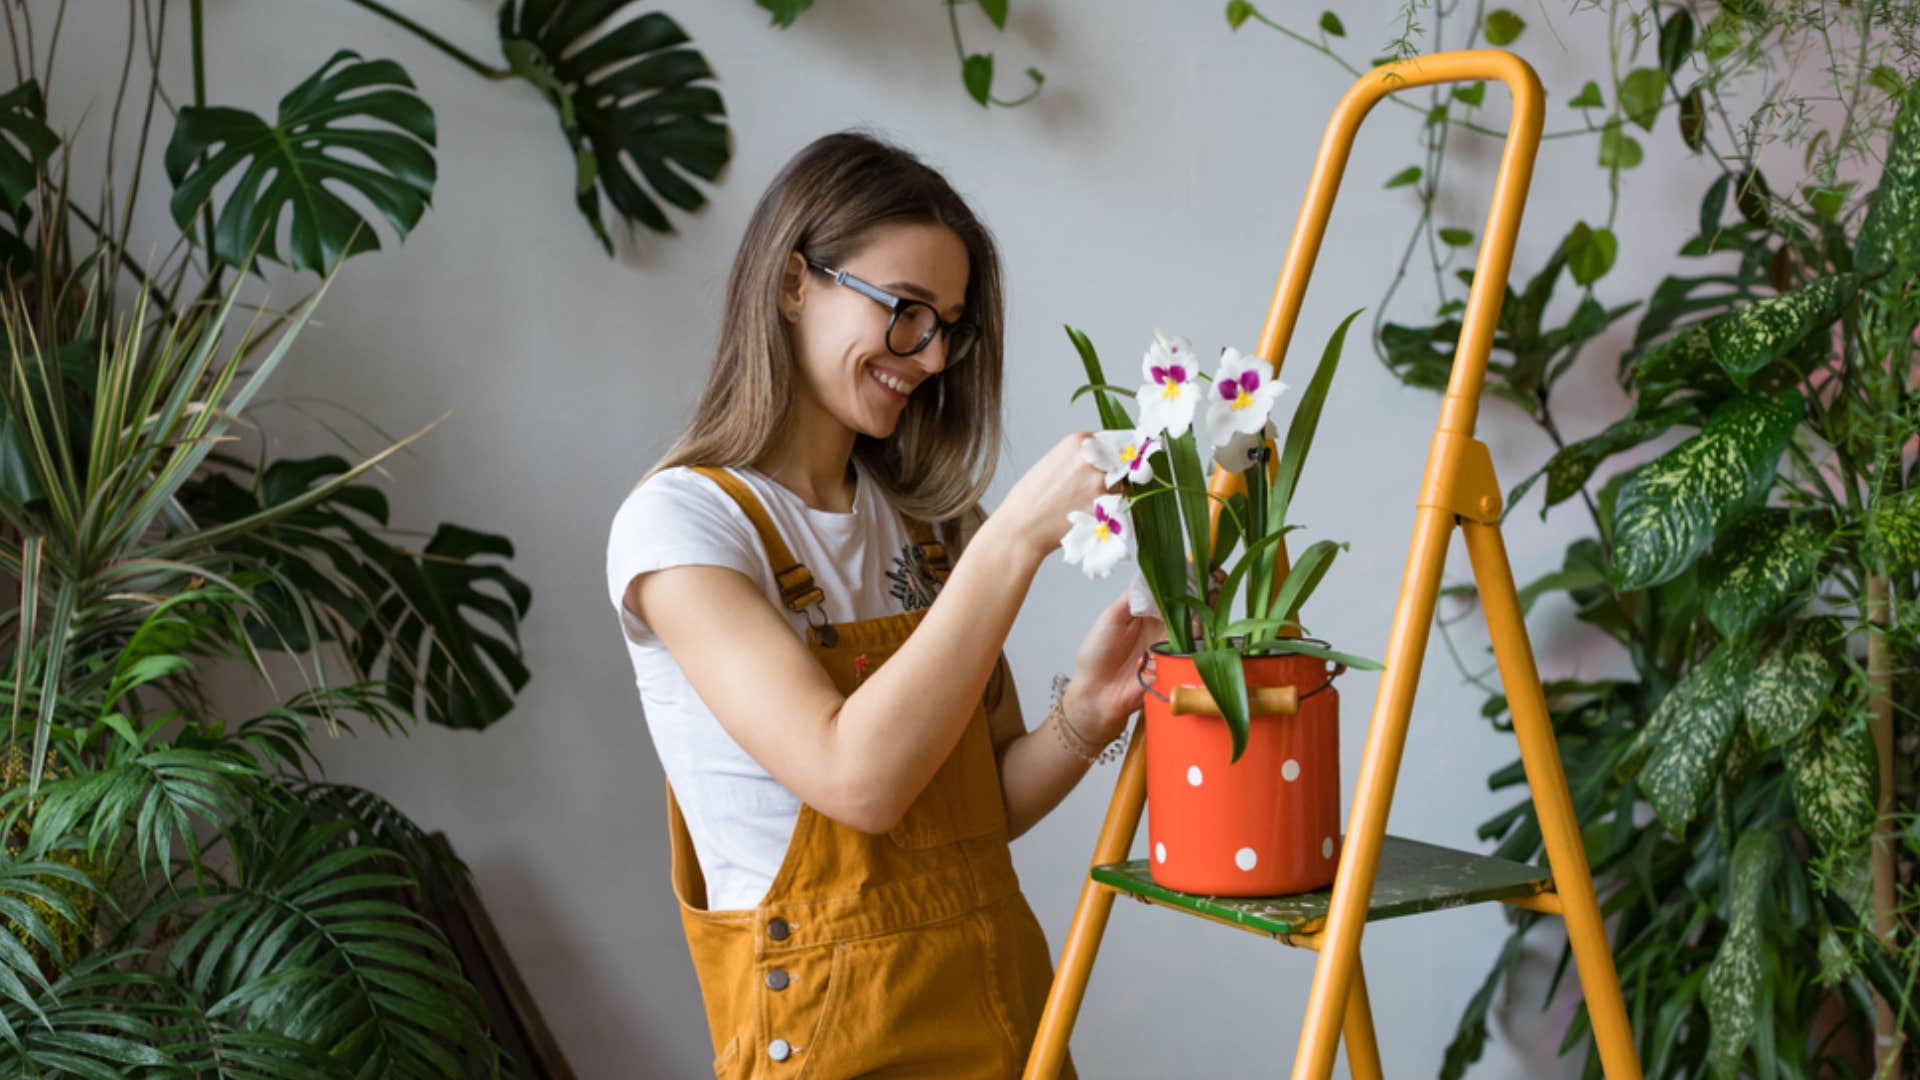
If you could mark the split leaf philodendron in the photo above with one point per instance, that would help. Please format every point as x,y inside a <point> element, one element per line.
<point>1165,517</point>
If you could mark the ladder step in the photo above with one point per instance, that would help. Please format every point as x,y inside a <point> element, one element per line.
<point>1413,877</point>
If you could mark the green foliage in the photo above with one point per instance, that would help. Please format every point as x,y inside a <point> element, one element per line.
<point>1784,694</point>
<point>1503,27</point>
<point>785,11</point>
<point>1734,981</point>
<point>627,87</point>
<point>1762,562</point>
<point>1691,730</point>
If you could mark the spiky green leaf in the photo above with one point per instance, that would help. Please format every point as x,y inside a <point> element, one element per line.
<point>1671,509</point>
<point>1893,533</point>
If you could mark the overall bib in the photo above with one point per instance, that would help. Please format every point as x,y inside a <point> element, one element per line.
<point>909,954</point>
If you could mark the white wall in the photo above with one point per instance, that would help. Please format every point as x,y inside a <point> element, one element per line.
<point>1154,183</point>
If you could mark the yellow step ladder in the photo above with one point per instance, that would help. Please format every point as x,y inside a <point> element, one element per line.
<point>1381,876</point>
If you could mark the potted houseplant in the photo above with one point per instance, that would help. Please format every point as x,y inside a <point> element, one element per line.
<point>1243,762</point>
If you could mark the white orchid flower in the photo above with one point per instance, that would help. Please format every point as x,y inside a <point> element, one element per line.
<point>1244,391</point>
<point>1172,389</point>
<point>1102,540</point>
<point>1236,453</point>
<point>1122,455</point>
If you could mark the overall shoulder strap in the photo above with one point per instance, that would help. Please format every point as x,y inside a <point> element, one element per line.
<point>935,552</point>
<point>797,589</point>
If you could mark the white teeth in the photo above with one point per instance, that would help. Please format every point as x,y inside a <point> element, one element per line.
<point>892,383</point>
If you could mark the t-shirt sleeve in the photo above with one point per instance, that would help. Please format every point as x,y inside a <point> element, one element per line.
<point>678,518</point>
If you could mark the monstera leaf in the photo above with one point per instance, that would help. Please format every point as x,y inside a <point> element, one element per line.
<point>448,650</point>
<point>29,143</point>
<point>288,165</point>
<point>628,101</point>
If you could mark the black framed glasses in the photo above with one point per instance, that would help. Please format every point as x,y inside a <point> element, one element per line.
<point>911,323</point>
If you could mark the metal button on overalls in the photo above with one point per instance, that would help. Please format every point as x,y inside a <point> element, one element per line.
<point>927,912</point>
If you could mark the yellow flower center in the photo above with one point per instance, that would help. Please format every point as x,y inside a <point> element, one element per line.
<point>1101,532</point>
<point>1129,454</point>
<point>1170,389</point>
<point>1242,399</point>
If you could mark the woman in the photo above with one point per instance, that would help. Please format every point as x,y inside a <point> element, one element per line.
<point>821,672</point>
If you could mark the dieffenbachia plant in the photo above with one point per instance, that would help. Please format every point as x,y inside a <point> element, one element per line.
<point>1165,513</point>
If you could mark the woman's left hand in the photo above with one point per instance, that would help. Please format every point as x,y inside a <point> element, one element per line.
<point>1105,691</point>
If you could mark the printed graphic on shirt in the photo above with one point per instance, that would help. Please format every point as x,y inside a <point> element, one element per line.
<point>913,584</point>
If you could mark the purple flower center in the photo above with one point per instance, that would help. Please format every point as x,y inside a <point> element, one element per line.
<point>1230,387</point>
<point>1100,515</point>
<point>1170,373</point>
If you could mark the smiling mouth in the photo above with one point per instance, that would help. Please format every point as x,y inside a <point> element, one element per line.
<point>893,384</point>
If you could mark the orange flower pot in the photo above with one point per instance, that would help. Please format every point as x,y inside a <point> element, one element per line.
<point>1266,825</point>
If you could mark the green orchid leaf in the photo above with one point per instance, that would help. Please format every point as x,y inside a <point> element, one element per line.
<point>1892,544</point>
<point>1760,564</point>
<point>1306,421</point>
<point>631,96</point>
<point>1569,469</point>
<point>1756,335</point>
<point>1303,577</point>
<point>1890,236</point>
<point>1833,772</point>
<point>1640,95</point>
<point>1226,679</point>
<point>1671,509</point>
<point>1301,647</point>
<point>1732,990</point>
<point>1787,692</point>
<point>1112,416</point>
<point>1691,728</point>
<point>383,153</point>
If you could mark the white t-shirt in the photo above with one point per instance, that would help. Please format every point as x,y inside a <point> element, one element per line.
<point>739,816</point>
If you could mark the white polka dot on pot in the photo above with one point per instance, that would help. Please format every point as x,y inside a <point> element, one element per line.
<point>1245,859</point>
<point>1290,770</point>
<point>1326,848</point>
<point>1193,775</point>
<point>1159,852</point>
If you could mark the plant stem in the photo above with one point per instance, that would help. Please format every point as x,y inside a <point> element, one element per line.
<point>466,59</point>
<point>1880,701</point>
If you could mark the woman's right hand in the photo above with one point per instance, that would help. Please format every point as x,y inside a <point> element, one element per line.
<point>1035,510</point>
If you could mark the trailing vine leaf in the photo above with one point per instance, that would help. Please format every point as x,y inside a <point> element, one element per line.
<point>1676,40</point>
<point>1588,97</point>
<point>1503,26</point>
<point>1668,511</point>
<point>976,74</point>
<point>1759,565</point>
<point>630,96</point>
<point>785,11</point>
<point>1893,533</point>
<point>1640,95</point>
<point>1756,335</point>
<point>1891,234</point>
<point>1833,773</point>
<point>1691,728</point>
<point>1619,150</point>
<point>1788,690</point>
<point>385,156</point>
<point>1732,990</point>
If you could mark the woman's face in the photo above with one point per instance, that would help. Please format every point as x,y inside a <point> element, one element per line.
<point>840,335</point>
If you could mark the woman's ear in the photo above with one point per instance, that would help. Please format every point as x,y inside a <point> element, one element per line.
<point>793,285</point>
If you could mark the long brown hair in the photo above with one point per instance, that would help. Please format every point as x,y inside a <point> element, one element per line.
<point>826,202</point>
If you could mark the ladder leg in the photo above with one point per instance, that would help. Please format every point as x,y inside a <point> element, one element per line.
<point>1363,1050</point>
<point>1333,974</point>
<point>1049,1052</point>
<point>1566,853</point>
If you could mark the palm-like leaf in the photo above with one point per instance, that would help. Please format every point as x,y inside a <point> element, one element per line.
<point>631,98</point>
<point>290,163</point>
<point>307,944</point>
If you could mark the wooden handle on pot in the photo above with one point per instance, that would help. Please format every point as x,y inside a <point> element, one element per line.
<point>1261,701</point>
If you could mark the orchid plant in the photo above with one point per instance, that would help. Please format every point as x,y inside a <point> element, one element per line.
<point>1183,536</point>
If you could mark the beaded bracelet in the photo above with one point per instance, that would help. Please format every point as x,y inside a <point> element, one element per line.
<point>1071,738</point>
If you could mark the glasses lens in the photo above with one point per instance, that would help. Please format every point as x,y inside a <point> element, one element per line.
<point>960,342</point>
<point>913,326</point>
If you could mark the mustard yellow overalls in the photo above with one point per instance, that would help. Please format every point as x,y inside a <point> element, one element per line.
<point>910,954</point>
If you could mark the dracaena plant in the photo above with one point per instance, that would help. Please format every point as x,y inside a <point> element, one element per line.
<point>1210,562</point>
<point>1758,575</point>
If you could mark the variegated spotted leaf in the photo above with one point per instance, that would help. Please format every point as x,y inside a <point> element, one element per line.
<point>1732,989</point>
<point>1788,690</point>
<point>1832,771</point>
<point>1691,729</point>
<point>1756,335</point>
<point>1668,511</point>
<point>1757,566</point>
<point>1893,533</point>
<point>1677,358</point>
<point>1891,233</point>
<point>1569,470</point>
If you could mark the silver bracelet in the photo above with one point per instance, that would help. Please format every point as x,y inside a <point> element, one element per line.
<point>1070,736</point>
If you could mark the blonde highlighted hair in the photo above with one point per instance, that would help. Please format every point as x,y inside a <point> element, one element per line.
<point>825,203</point>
